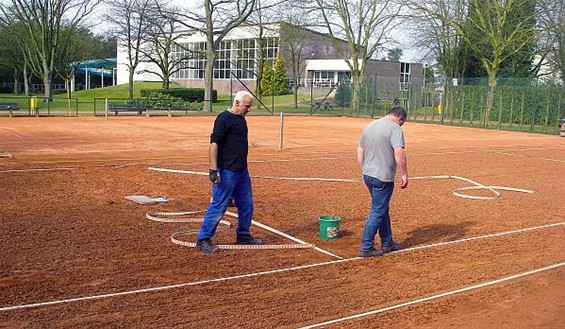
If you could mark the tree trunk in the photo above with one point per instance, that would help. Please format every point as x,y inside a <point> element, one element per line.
<point>166,83</point>
<point>355,91</point>
<point>16,90</point>
<point>295,92</point>
<point>209,82</point>
<point>47,85</point>
<point>130,84</point>
<point>490,98</point>
<point>68,82</point>
<point>26,81</point>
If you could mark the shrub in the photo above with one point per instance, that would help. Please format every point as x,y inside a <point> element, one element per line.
<point>343,94</point>
<point>6,89</point>
<point>164,101</point>
<point>186,94</point>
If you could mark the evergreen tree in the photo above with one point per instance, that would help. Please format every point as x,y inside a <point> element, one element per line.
<point>343,94</point>
<point>267,79</point>
<point>280,78</point>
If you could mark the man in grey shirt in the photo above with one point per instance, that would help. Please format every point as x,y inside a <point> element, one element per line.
<point>379,153</point>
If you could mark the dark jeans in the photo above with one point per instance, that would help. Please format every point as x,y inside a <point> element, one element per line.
<point>238,185</point>
<point>379,218</point>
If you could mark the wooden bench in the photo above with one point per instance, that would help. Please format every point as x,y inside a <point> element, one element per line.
<point>169,109</point>
<point>318,106</point>
<point>9,107</point>
<point>139,108</point>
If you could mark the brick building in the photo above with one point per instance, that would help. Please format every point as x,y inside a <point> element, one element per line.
<point>318,63</point>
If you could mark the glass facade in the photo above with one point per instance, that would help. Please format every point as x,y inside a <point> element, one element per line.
<point>237,56</point>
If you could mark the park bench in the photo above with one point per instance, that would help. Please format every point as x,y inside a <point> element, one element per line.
<point>139,108</point>
<point>325,106</point>
<point>170,109</point>
<point>9,107</point>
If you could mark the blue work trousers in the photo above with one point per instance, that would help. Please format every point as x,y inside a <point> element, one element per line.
<point>379,218</point>
<point>236,184</point>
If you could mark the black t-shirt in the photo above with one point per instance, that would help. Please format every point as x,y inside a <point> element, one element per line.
<point>230,133</point>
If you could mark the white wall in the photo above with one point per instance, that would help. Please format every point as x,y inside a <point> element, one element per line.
<point>123,71</point>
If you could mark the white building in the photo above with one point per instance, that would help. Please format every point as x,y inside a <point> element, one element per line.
<point>237,57</point>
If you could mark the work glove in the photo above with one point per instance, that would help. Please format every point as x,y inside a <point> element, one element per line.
<point>214,176</point>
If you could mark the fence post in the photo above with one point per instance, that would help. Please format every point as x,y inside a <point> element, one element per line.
<point>281,128</point>
<point>105,108</point>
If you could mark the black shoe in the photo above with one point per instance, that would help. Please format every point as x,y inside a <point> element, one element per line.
<point>231,204</point>
<point>206,245</point>
<point>247,239</point>
<point>371,253</point>
<point>393,247</point>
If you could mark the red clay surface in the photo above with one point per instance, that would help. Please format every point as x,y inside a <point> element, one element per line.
<point>69,233</point>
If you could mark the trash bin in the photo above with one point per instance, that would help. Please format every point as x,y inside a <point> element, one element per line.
<point>329,227</point>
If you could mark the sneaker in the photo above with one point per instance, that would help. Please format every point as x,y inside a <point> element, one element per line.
<point>393,247</point>
<point>371,253</point>
<point>247,239</point>
<point>206,245</point>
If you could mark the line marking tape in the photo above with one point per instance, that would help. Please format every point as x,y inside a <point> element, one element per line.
<point>425,299</point>
<point>248,275</point>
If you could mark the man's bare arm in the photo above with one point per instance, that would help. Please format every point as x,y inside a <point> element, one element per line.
<point>213,156</point>
<point>400,157</point>
<point>360,156</point>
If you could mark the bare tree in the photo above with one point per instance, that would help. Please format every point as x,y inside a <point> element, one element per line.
<point>215,19</point>
<point>78,46</point>
<point>43,21</point>
<point>131,21</point>
<point>162,46</point>
<point>14,54</point>
<point>364,24</point>
<point>552,42</point>
<point>501,35</point>
<point>293,45</point>
<point>263,27</point>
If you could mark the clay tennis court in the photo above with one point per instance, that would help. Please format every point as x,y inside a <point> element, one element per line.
<point>77,254</point>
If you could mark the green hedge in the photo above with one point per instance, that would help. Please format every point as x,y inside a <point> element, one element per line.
<point>187,94</point>
<point>521,105</point>
<point>6,89</point>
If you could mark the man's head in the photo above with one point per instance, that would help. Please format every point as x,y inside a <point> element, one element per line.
<point>399,115</point>
<point>242,103</point>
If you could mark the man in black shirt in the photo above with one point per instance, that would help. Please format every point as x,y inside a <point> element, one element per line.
<point>229,175</point>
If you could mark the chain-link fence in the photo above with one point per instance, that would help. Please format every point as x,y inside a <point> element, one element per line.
<point>514,104</point>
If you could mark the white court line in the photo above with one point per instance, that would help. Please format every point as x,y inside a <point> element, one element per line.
<point>273,230</point>
<point>37,169</point>
<point>425,299</point>
<point>229,278</point>
<point>527,156</point>
<point>13,133</point>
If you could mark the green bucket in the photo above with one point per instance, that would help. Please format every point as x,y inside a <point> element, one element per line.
<point>329,227</point>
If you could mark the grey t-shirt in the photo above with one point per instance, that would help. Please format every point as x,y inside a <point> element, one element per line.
<point>378,140</point>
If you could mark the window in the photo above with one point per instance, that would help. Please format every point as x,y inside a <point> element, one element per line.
<point>404,72</point>
<point>237,56</point>
<point>323,79</point>
<point>193,66</point>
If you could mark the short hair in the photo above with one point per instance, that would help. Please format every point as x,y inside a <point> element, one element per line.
<point>240,95</point>
<point>398,112</point>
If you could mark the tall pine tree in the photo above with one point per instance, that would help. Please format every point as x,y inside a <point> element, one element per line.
<point>267,79</point>
<point>280,79</point>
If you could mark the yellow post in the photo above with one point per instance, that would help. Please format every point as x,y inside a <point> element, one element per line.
<point>439,109</point>
<point>33,104</point>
